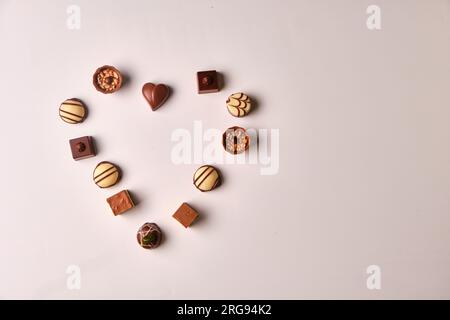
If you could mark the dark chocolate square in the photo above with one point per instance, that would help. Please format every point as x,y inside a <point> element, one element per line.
<point>185,215</point>
<point>120,202</point>
<point>82,147</point>
<point>208,81</point>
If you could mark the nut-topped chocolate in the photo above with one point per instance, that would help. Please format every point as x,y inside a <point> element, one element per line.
<point>107,79</point>
<point>235,140</point>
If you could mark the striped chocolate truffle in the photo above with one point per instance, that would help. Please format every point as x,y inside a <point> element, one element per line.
<point>206,178</point>
<point>106,174</point>
<point>72,111</point>
<point>239,104</point>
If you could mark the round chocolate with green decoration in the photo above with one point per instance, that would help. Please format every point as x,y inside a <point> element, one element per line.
<point>149,236</point>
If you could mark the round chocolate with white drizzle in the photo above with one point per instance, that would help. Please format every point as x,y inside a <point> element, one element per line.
<point>239,104</point>
<point>206,178</point>
<point>149,236</point>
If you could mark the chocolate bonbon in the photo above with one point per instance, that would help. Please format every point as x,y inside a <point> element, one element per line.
<point>206,178</point>
<point>185,215</point>
<point>155,95</point>
<point>106,174</point>
<point>235,140</point>
<point>82,147</point>
<point>239,104</point>
<point>72,111</point>
<point>107,79</point>
<point>149,236</point>
<point>120,202</point>
<point>207,81</point>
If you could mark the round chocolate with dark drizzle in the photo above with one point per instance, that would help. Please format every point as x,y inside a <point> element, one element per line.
<point>106,174</point>
<point>206,178</point>
<point>149,236</point>
<point>72,111</point>
<point>235,140</point>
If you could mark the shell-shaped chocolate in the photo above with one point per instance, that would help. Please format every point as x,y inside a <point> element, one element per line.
<point>72,111</point>
<point>206,178</point>
<point>239,104</point>
<point>149,236</point>
<point>106,174</point>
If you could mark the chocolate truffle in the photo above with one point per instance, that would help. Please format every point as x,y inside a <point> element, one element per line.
<point>206,178</point>
<point>149,236</point>
<point>72,111</point>
<point>239,104</point>
<point>207,81</point>
<point>235,140</point>
<point>185,215</point>
<point>82,147</point>
<point>106,174</point>
<point>120,202</point>
<point>107,79</point>
<point>155,95</point>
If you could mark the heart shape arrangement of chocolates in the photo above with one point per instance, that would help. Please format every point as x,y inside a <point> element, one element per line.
<point>107,80</point>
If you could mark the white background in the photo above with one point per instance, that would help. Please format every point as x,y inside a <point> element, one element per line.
<point>364,149</point>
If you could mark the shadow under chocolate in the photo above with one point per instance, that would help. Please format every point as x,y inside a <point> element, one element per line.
<point>202,215</point>
<point>221,80</point>
<point>135,198</point>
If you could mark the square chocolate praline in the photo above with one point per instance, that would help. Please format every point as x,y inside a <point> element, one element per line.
<point>207,81</point>
<point>82,148</point>
<point>185,215</point>
<point>120,202</point>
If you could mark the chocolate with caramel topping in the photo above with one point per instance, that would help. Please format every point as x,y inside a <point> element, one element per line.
<point>107,79</point>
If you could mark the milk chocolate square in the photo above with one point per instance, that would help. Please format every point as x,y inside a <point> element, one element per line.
<point>120,202</point>
<point>185,215</point>
<point>208,81</point>
<point>82,148</point>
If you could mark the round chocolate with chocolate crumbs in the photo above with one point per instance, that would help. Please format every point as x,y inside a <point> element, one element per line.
<point>149,236</point>
<point>107,79</point>
<point>235,140</point>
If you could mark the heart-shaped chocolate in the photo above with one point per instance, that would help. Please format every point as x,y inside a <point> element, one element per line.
<point>155,95</point>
